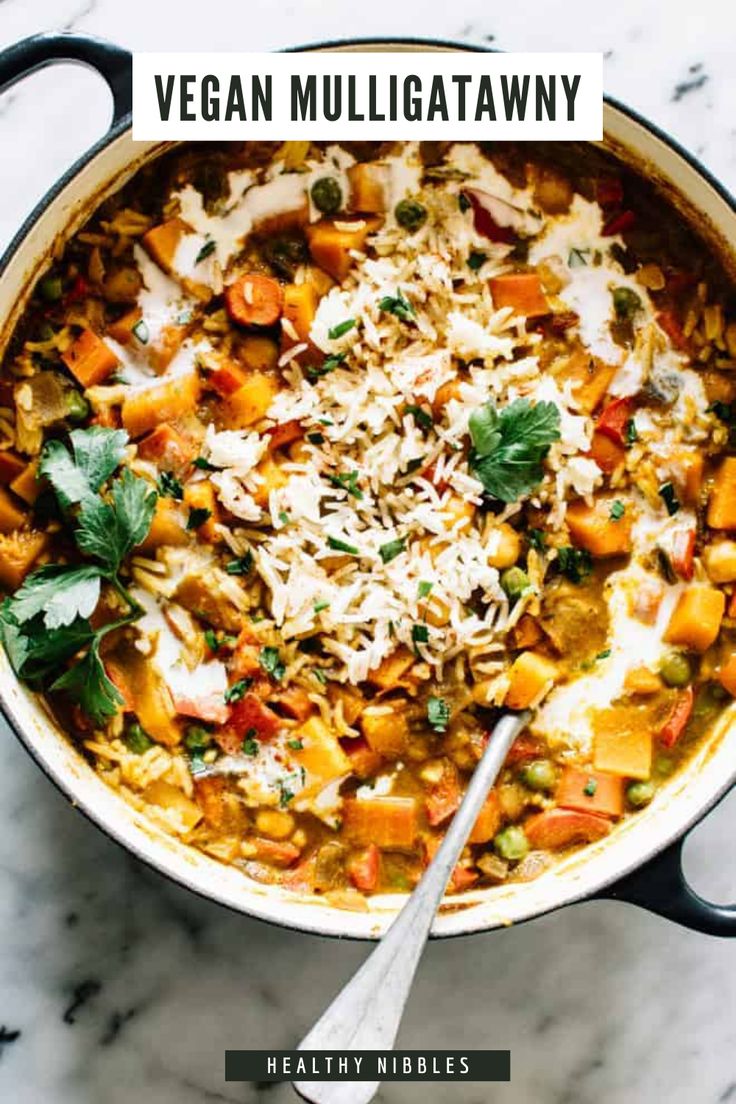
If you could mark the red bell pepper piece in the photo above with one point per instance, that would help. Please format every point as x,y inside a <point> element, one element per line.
<point>363,869</point>
<point>285,434</point>
<point>609,191</point>
<point>683,553</point>
<point>614,418</point>
<point>676,722</point>
<point>619,224</point>
<point>524,747</point>
<point>246,716</point>
<point>78,290</point>
<point>444,797</point>
<point>483,206</point>
<point>670,323</point>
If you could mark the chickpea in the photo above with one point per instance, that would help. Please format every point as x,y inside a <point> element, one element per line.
<point>459,514</point>
<point>274,824</point>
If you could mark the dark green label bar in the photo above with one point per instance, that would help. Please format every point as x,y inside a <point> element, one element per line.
<point>368,1065</point>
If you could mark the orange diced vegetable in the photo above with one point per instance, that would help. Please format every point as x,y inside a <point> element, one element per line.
<point>122,330</point>
<point>558,828</point>
<point>696,619</point>
<point>368,182</point>
<point>524,747</point>
<point>722,501</point>
<point>254,300</point>
<point>390,672</point>
<point>294,702</point>
<point>683,553</point>
<point>640,680</point>
<point>389,822</point>
<point>590,791</point>
<point>526,632</point>
<point>488,822</point>
<point>622,742</point>
<point>151,698</point>
<point>271,477</point>
<point>614,418</point>
<point>593,528</point>
<point>363,869</point>
<point>720,561</point>
<point>166,402</point>
<point>249,716</point>
<point>678,718</point>
<point>606,453</point>
<point>300,307</point>
<point>522,291</point>
<point>89,359</point>
<point>589,377</point>
<point>727,674</point>
<point>332,243</point>
<point>277,852</point>
<point>12,517</point>
<point>444,796</point>
<point>11,465</point>
<point>18,553</point>
<point>166,448</point>
<point>168,527</point>
<point>162,241</point>
<point>285,434</point>
<point>386,732</point>
<point>250,402</point>
<point>210,795</point>
<point>227,379</point>
<point>27,485</point>
<point>688,474</point>
<point>163,352</point>
<point>174,800</point>
<point>201,496</point>
<point>320,755</point>
<point>530,674</point>
<point>364,761</point>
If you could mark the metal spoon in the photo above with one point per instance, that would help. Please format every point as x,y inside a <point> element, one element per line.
<point>366,1014</point>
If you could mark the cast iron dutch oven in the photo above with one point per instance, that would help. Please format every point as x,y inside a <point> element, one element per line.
<point>640,862</point>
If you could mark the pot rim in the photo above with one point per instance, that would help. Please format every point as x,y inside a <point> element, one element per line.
<point>151,858</point>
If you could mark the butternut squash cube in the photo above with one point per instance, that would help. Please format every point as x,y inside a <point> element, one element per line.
<point>386,732</point>
<point>391,670</point>
<point>389,822</point>
<point>368,182</point>
<point>720,561</point>
<point>161,242</point>
<point>622,741</point>
<point>589,376</point>
<point>696,619</point>
<point>593,528</point>
<point>300,307</point>
<point>166,402</point>
<point>331,243</point>
<point>89,359</point>
<point>722,501</point>
<point>531,673</point>
<point>249,403</point>
<point>320,755</point>
<point>201,496</point>
<point>167,528</point>
<point>18,554</point>
<point>26,485</point>
<point>12,517</point>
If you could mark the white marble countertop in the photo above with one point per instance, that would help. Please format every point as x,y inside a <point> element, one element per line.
<point>122,986</point>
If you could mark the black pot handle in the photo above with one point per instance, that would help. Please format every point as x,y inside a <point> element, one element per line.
<point>111,62</point>
<point>660,886</point>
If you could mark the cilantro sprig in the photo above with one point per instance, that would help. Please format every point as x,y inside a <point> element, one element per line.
<point>509,446</point>
<point>46,625</point>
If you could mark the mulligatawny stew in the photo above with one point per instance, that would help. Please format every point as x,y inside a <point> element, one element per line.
<point>315,458</point>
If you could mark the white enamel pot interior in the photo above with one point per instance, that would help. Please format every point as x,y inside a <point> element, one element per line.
<point>595,871</point>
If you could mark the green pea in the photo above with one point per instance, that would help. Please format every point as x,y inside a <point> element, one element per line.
<point>511,843</point>
<point>539,775</point>
<point>51,288</point>
<point>197,738</point>
<point>327,195</point>
<point>675,669</point>
<point>514,581</point>
<point>639,794</point>
<point>137,739</point>
<point>625,302</point>
<point>411,214</point>
<point>77,407</point>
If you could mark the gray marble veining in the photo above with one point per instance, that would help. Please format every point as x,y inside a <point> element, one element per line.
<point>116,985</point>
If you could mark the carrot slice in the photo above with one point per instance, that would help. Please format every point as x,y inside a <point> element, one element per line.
<point>254,300</point>
<point>363,869</point>
<point>589,791</point>
<point>557,828</point>
<point>678,718</point>
<point>522,291</point>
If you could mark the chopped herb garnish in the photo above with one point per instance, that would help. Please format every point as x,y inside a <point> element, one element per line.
<point>419,634</point>
<point>424,588</point>
<point>392,549</point>
<point>347,481</point>
<point>604,654</point>
<point>137,739</point>
<point>575,563</point>
<point>509,446</point>
<point>210,639</point>
<point>398,306</point>
<point>321,605</point>
<point>328,365</point>
<point>316,438</point>
<point>537,539</point>
<point>271,662</point>
<point>438,714</point>
<point>625,303</point>
<point>618,509</point>
<point>141,331</point>
<point>421,417</point>
<point>206,251</point>
<point>320,675</point>
<point>463,202</point>
<point>341,329</point>
<point>243,565</point>
<point>250,744</point>
<point>631,434</point>
<point>198,515</point>
<point>170,487</point>
<point>577,258</point>
<point>668,494</point>
<point>238,690</point>
<point>590,787</point>
<point>284,517</point>
<point>197,738</point>
<point>203,464</point>
<point>476,259</point>
<point>338,545</point>
<point>295,745</point>
<point>414,465</point>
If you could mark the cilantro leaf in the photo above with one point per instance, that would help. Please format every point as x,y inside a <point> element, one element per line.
<point>398,306</point>
<point>57,592</point>
<point>76,475</point>
<point>88,685</point>
<point>110,530</point>
<point>170,487</point>
<point>575,563</point>
<point>36,653</point>
<point>271,662</point>
<point>392,549</point>
<point>509,446</point>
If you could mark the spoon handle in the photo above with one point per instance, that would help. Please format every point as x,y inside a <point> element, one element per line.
<point>366,1013</point>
